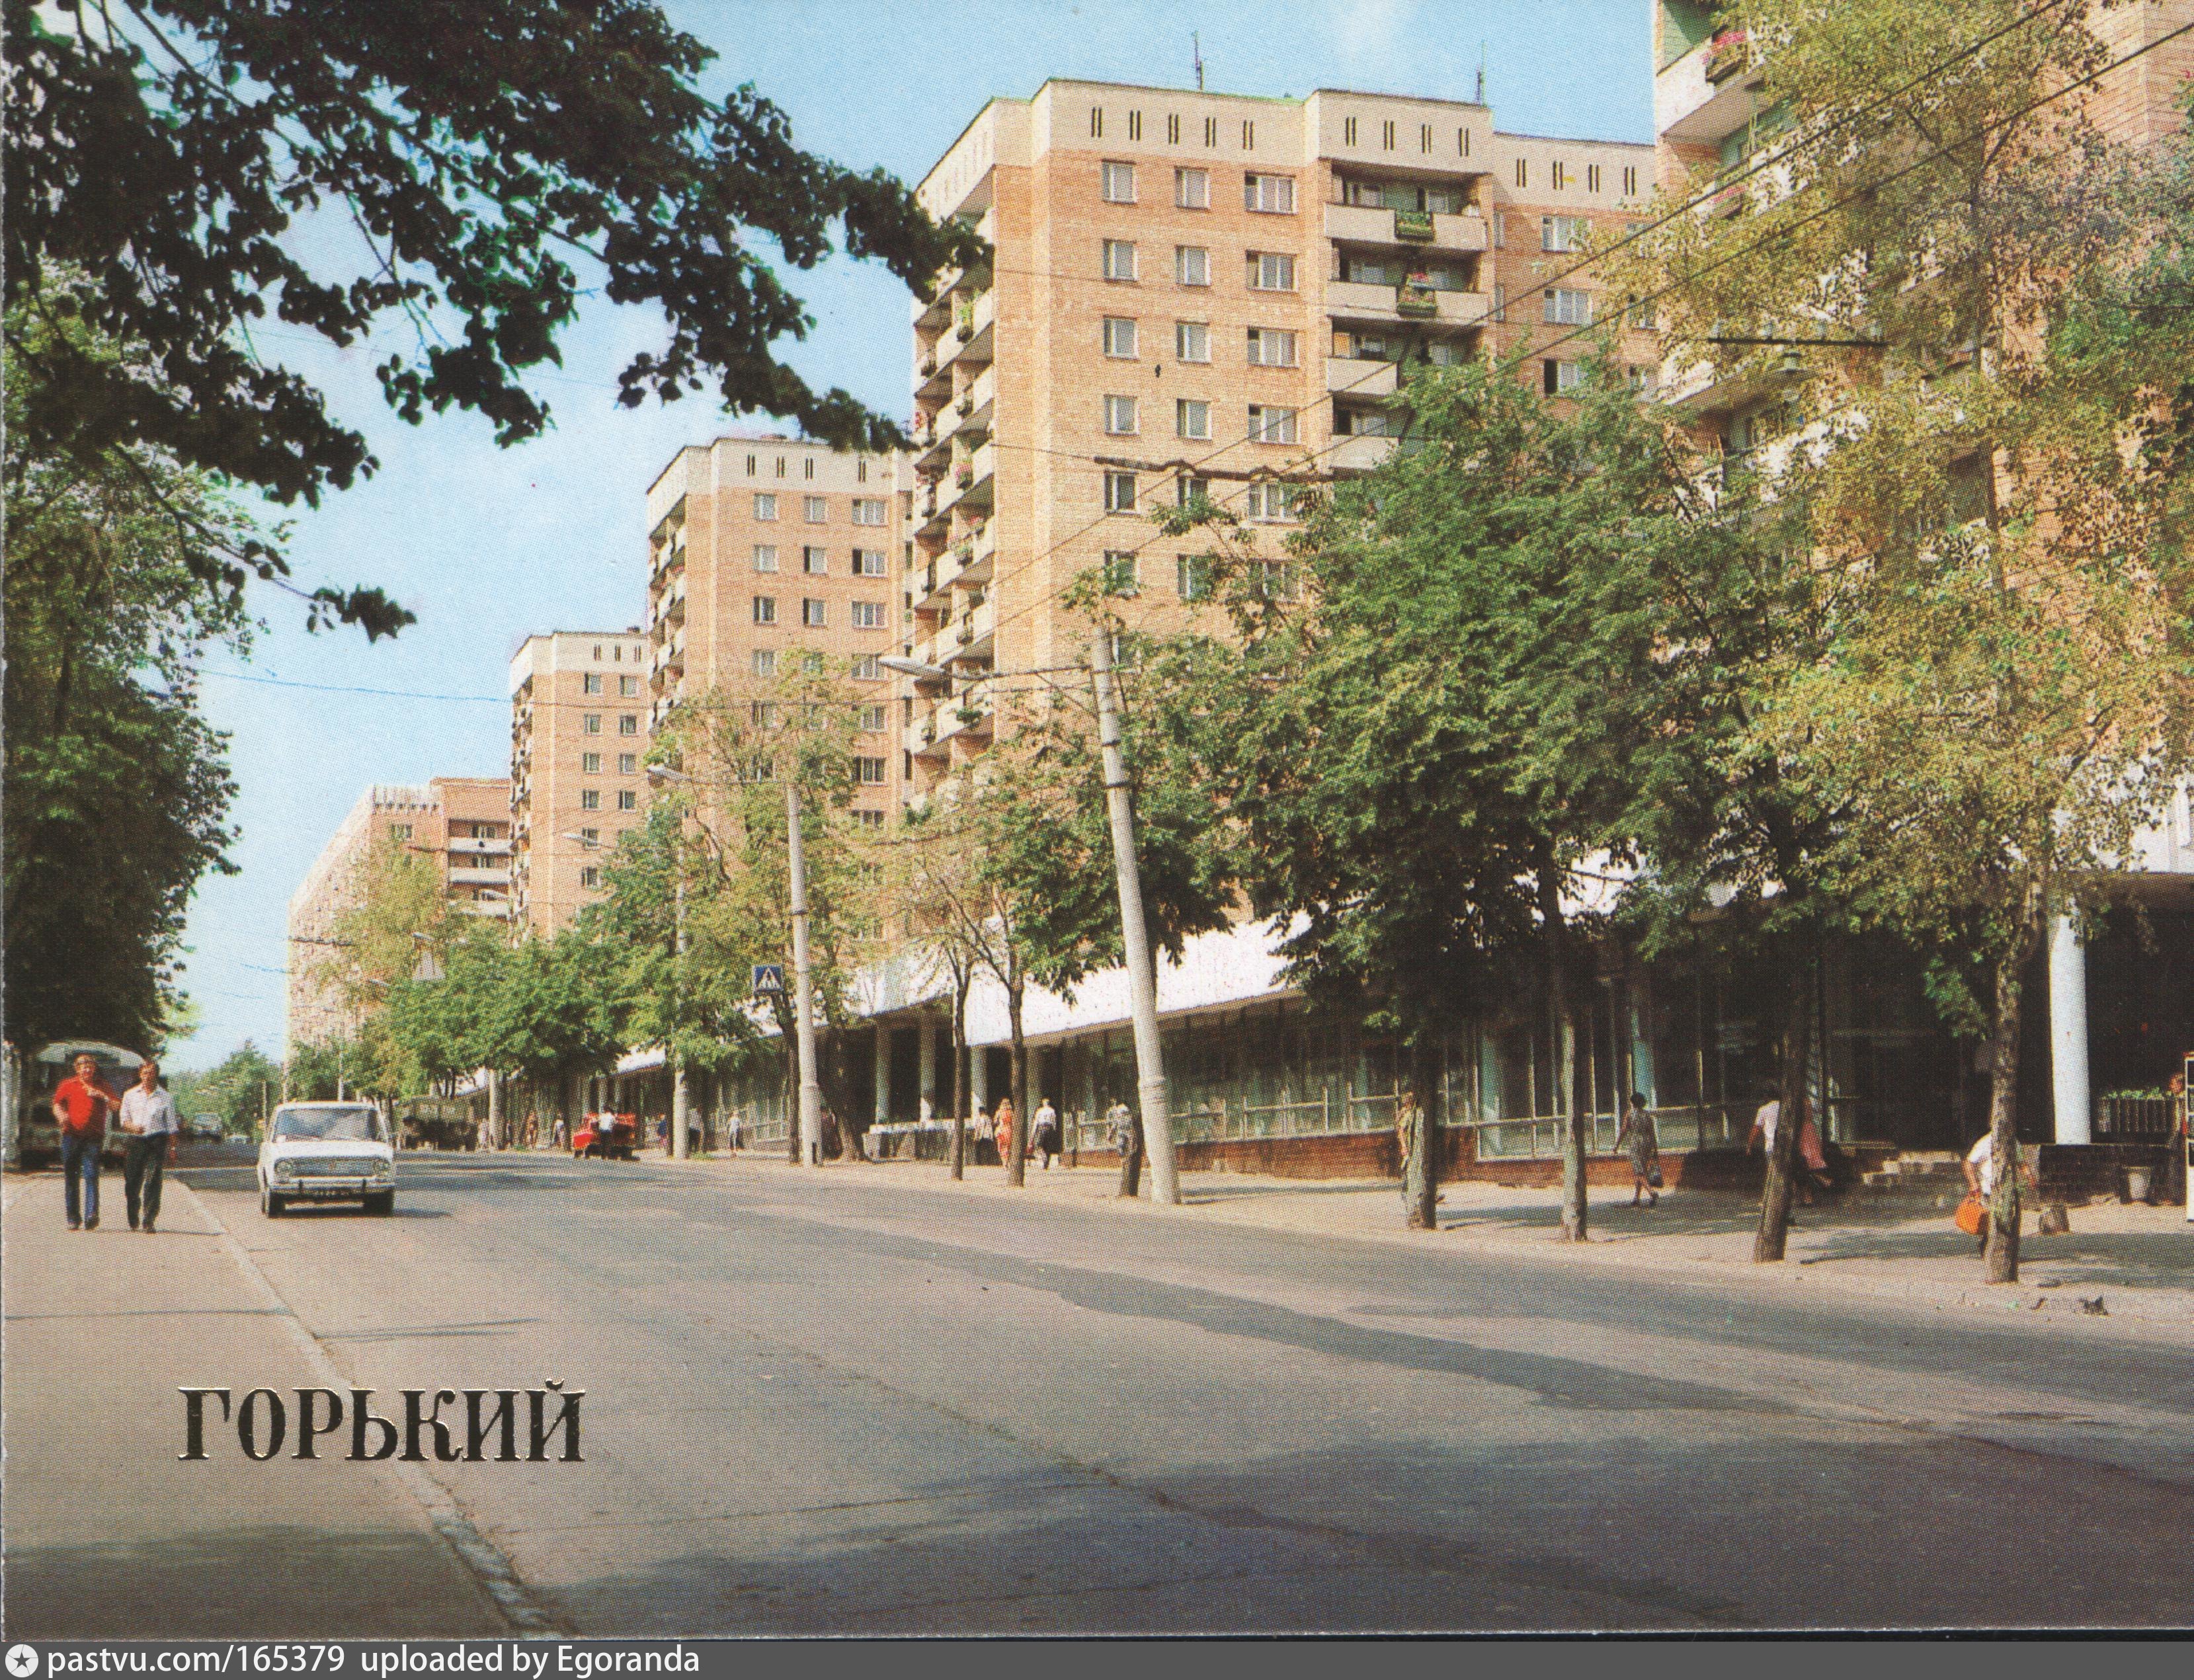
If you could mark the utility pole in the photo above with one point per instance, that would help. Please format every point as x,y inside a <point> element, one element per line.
<point>1142,976</point>
<point>681,1101</point>
<point>803,1009</point>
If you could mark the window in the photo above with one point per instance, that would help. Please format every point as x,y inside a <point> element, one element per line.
<point>590,876</point>
<point>765,661</point>
<point>627,799</point>
<point>1269,425</point>
<point>807,468</point>
<point>590,724</point>
<point>764,557</point>
<point>1249,136</point>
<point>590,836</point>
<point>815,509</point>
<point>866,670</point>
<point>870,819</point>
<point>1523,173</point>
<point>1191,266</point>
<point>780,474</point>
<point>815,614</point>
<point>627,687</point>
<point>1591,177</point>
<point>629,723</point>
<point>872,720</point>
<point>867,615</point>
<point>1191,189</point>
<point>1120,571</point>
<point>1643,381</point>
<point>1500,302</point>
<point>1189,485</point>
<point>590,683</point>
<point>1424,137</point>
<point>590,799</point>
<point>1270,347</point>
<point>1119,492</point>
<point>1567,308</point>
<point>1173,130</point>
<point>1096,122</point>
<point>1271,272</point>
<point>765,609</point>
<point>1274,195</point>
<point>1211,131</point>
<point>1134,125</point>
<point>868,563</point>
<point>868,772</point>
<point>1271,501</point>
<point>1191,340</point>
<point>1191,576</point>
<point>1562,233</point>
<point>1119,183</point>
<point>1273,580</point>
<point>750,467</point>
<point>590,764</point>
<point>1119,336</point>
<point>1119,259</point>
<point>1120,415</point>
<point>1500,231</point>
<point>1386,134</point>
<point>628,764</point>
<point>861,476</point>
<point>1348,131</point>
<point>1630,182</point>
<point>868,510</point>
<point>815,562</point>
<point>766,505</point>
<point>1560,174</point>
<point>1192,418</point>
<point>1557,377</point>
<point>1642,316</point>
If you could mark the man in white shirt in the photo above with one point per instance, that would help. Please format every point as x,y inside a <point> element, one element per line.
<point>1980,1170</point>
<point>148,1115</point>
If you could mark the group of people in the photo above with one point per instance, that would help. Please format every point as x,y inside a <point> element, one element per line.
<point>1043,1132</point>
<point>83,1104</point>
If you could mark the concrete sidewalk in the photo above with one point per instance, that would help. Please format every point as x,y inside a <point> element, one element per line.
<point>2136,1262</point>
<point>108,1535</point>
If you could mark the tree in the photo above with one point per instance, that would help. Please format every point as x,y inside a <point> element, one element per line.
<point>2004,700</point>
<point>242,1089</point>
<point>487,163</point>
<point>117,790</point>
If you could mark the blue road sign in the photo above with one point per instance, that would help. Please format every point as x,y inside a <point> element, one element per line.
<point>769,976</point>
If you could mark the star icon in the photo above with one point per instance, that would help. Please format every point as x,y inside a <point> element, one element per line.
<point>22,1661</point>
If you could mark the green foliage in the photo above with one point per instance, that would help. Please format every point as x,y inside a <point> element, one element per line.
<point>244,1083</point>
<point>492,161</point>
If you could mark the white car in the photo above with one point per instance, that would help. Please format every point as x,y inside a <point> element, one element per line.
<point>326,1152</point>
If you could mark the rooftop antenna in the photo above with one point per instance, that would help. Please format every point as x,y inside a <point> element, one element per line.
<point>1481,73</point>
<point>1195,44</point>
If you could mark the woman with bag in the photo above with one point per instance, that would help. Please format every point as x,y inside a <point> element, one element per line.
<point>1644,1148</point>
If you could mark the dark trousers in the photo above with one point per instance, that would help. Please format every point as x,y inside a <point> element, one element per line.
<point>144,1164</point>
<point>80,1160</point>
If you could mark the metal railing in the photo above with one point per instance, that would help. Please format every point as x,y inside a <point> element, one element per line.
<point>2136,1116</point>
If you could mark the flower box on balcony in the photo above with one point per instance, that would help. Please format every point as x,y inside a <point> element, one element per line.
<point>966,405</point>
<point>927,365</point>
<point>1413,224</point>
<point>963,553</point>
<point>1416,300</point>
<point>963,324</point>
<point>1727,54</point>
<point>963,475</point>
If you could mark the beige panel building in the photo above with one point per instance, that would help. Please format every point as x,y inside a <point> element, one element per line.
<point>1201,291</point>
<point>461,822</point>
<point>579,740</point>
<point>763,550</point>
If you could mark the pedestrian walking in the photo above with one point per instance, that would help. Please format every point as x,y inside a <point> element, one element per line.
<point>1044,1134</point>
<point>148,1115</point>
<point>1981,1172</point>
<point>1642,1140</point>
<point>82,1103</point>
<point>1002,1128</point>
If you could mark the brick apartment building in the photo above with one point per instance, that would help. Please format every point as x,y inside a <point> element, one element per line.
<point>461,822</point>
<point>579,725</point>
<point>763,550</point>
<point>1209,292</point>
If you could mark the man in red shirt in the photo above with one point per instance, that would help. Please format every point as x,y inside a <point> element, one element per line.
<point>82,1103</point>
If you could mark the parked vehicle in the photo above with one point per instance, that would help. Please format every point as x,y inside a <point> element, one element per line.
<point>38,1133</point>
<point>615,1136</point>
<point>326,1152</point>
<point>436,1123</point>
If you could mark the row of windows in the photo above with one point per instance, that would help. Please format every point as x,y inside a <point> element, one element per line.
<point>1193,419</point>
<point>1262,501</point>
<point>590,723</point>
<point>1192,576</point>
<point>815,614</point>
<point>590,799</point>
<point>590,764</point>
<point>616,653</point>
<point>1173,128</point>
<point>816,562</point>
<point>590,682</point>
<point>1270,195</point>
<point>1266,346</point>
<point>866,510</point>
<point>1264,270</point>
<point>865,669</point>
<point>753,462</point>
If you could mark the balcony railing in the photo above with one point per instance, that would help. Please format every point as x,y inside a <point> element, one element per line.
<point>1416,301</point>
<point>1413,225</point>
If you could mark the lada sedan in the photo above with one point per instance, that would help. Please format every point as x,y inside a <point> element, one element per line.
<point>326,1152</point>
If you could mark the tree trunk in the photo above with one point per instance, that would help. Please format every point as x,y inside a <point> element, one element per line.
<point>1420,1136</point>
<point>1768,1243</point>
<point>1017,1082</point>
<point>960,1076</point>
<point>2003,1211</point>
<point>1131,1159</point>
<point>1574,1220</point>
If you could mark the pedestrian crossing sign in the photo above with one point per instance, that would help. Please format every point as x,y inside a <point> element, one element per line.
<point>769,976</point>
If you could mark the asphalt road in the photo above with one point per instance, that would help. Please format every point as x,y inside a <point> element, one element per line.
<point>839,1402</point>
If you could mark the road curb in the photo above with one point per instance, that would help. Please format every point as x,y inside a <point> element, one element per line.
<point>479,1556</point>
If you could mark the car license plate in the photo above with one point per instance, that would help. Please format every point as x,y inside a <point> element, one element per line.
<point>327,1192</point>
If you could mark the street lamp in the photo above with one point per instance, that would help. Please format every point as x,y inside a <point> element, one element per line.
<point>1134,933</point>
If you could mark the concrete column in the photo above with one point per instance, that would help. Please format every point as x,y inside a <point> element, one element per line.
<point>2068,1033</point>
<point>979,1079</point>
<point>926,1064</point>
<point>883,1072</point>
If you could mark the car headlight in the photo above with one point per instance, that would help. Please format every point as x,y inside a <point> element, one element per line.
<point>284,1171</point>
<point>381,1169</point>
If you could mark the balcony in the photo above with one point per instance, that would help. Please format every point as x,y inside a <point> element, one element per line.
<point>1358,454</point>
<point>1708,94</point>
<point>670,605</point>
<point>1357,300</point>
<point>967,417</point>
<point>1362,376</point>
<point>463,875</point>
<point>968,482</point>
<point>1375,224</point>
<point>966,341</point>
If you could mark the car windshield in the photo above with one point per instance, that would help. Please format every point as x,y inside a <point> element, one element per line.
<point>344,1122</point>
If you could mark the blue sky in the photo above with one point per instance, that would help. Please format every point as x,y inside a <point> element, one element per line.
<point>489,546</point>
